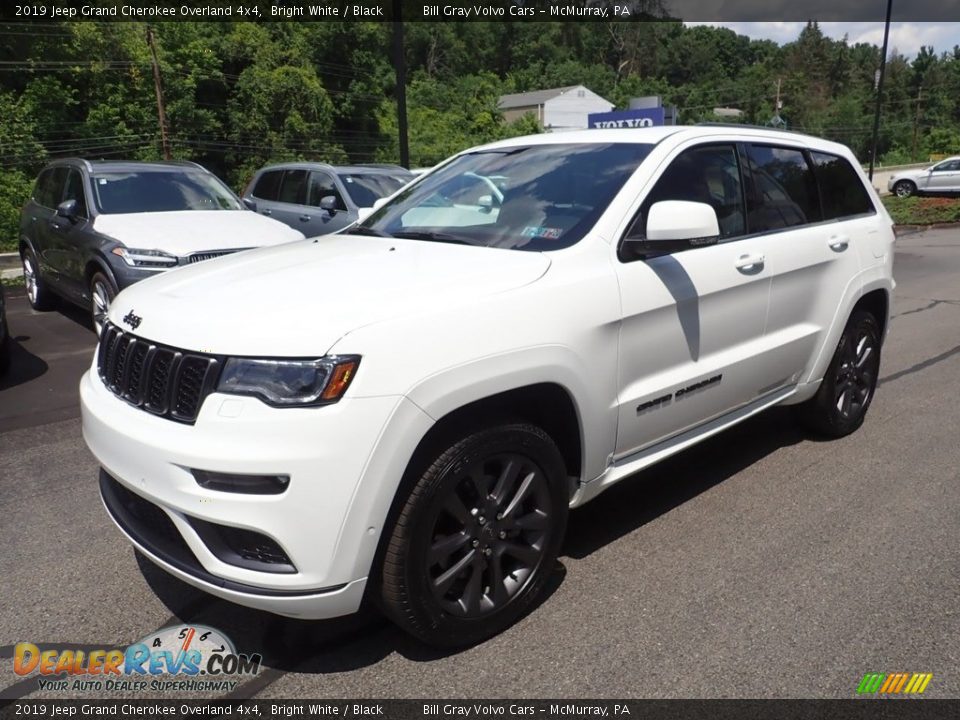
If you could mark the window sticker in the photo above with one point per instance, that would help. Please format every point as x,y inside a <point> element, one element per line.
<point>541,232</point>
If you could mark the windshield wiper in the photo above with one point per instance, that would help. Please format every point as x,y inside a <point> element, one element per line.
<point>432,236</point>
<point>360,230</point>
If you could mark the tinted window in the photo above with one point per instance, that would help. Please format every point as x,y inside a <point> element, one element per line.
<point>293,187</point>
<point>321,185</point>
<point>161,191</point>
<point>50,187</point>
<point>74,191</point>
<point>708,174</point>
<point>268,186</point>
<point>948,166</point>
<point>552,194</point>
<point>781,191</point>
<point>366,188</point>
<point>841,190</point>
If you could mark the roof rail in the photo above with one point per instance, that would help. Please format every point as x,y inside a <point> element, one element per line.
<point>749,126</point>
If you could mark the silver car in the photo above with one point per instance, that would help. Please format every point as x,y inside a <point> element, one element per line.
<point>944,177</point>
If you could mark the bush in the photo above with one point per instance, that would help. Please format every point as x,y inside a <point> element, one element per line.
<point>15,188</point>
<point>923,210</point>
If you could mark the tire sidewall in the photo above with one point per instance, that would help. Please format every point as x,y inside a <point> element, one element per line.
<point>441,627</point>
<point>858,322</point>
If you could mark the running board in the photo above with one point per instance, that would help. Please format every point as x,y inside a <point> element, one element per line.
<point>634,462</point>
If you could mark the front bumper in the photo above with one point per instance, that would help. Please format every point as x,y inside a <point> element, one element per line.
<point>324,451</point>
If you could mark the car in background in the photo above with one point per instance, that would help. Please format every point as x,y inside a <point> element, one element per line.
<point>92,228</point>
<point>320,199</point>
<point>944,177</point>
<point>4,335</point>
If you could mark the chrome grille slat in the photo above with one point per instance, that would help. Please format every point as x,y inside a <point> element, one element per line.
<point>162,380</point>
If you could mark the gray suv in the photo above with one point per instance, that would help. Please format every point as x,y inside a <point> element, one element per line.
<point>91,228</point>
<point>318,199</point>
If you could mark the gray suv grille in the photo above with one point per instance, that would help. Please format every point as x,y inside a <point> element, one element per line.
<point>159,379</point>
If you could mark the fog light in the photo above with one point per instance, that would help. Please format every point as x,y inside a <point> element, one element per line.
<point>249,484</point>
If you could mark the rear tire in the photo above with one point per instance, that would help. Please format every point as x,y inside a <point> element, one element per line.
<point>39,295</point>
<point>904,188</point>
<point>844,396</point>
<point>477,538</point>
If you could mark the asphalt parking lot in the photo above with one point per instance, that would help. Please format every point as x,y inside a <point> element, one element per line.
<point>759,564</point>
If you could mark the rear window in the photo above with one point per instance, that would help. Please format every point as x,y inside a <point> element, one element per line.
<point>161,191</point>
<point>841,190</point>
<point>268,186</point>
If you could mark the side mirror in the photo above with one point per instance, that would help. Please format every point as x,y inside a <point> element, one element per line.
<point>675,225</point>
<point>68,209</point>
<point>329,203</point>
<point>251,205</point>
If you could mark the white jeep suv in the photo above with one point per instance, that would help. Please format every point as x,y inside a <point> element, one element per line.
<point>408,410</point>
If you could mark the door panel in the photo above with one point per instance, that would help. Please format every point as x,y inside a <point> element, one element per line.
<point>691,343</point>
<point>317,221</point>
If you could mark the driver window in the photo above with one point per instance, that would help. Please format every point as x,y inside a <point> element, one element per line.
<point>707,174</point>
<point>74,191</point>
<point>321,185</point>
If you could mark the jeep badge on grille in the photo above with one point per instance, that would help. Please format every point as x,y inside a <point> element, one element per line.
<point>132,320</point>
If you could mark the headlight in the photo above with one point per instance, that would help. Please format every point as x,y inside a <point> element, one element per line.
<point>145,258</point>
<point>290,383</point>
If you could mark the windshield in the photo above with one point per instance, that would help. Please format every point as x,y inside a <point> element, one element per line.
<point>537,197</point>
<point>365,188</point>
<point>161,191</point>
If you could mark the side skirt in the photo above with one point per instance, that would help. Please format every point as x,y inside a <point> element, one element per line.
<point>630,464</point>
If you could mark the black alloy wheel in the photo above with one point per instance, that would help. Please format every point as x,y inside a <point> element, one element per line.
<point>477,537</point>
<point>841,402</point>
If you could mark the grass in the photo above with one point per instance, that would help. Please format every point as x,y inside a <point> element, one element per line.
<point>14,282</point>
<point>923,210</point>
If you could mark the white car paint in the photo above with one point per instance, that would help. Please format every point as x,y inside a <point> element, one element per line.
<point>439,326</point>
<point>181,233</point>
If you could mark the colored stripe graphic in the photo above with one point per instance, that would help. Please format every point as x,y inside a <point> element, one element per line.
<point>894,683</point>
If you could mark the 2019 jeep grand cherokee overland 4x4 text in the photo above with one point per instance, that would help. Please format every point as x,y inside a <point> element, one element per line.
<point>414,415</point>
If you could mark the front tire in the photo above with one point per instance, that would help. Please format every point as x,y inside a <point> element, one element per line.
<point>102,293</point>
<point>904,188</point>
<point>844,396</point>
<point>477,538</point>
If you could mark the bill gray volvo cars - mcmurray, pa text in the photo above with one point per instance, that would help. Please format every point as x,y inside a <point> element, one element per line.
<point>412,416</point>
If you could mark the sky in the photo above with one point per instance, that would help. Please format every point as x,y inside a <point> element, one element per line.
<point>905,37</point>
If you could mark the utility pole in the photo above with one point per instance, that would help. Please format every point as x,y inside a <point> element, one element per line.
<point>165,144</point>
<point>916,124</point>
<point>400,68</point>
<point>883,69</point>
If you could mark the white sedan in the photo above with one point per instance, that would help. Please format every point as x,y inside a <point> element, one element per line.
<point>944,177</point>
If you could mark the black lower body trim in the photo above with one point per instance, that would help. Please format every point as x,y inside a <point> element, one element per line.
<point>153,530</point>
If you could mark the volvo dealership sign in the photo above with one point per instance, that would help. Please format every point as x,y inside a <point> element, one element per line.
<point>647,117</point>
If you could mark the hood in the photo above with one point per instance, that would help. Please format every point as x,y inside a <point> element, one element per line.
<point>189,231</point>
<point>299,299</point>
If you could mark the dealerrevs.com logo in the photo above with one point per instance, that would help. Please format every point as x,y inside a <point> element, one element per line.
<point>187,658</point>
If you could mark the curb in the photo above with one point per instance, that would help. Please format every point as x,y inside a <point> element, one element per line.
<point>10,265</point>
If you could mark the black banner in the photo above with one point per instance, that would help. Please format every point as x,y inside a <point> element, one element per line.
<point>477,10</point>
<point>902,709</point>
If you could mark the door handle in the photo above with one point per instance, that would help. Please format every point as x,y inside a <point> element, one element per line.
<point>839,243</point>
<point>750,263</point>
<point>266,212</point>
<point>304,218</point>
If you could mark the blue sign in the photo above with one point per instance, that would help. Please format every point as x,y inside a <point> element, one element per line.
<point>647,117</point>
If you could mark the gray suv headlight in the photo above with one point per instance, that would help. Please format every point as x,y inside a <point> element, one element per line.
<point>290,383</point>
<point>145,258</point>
